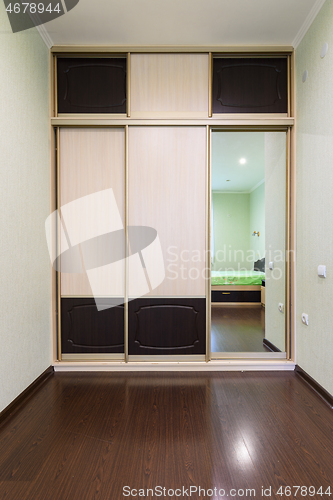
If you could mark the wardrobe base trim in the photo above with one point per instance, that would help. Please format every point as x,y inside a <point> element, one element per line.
<point>218,365</point>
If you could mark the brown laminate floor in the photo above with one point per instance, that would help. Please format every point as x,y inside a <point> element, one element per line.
<point>238,329</point>
<point>86,436</point>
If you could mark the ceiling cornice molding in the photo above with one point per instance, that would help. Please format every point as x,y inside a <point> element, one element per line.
<point>174,48</point>
<point>45,35</point>
<point>307,23</point>
<point>257,185</point>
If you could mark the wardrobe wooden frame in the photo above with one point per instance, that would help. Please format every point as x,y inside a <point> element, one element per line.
<point>229,122</point>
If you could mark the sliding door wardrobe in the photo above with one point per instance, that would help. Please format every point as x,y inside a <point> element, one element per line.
<point>133,156</point>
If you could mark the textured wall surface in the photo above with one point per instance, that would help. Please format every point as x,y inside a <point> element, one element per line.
<point>24,190</point>
<point>231,231</point>
<point>236,216</point>
<point>257,221</point>
<point>314,199</point>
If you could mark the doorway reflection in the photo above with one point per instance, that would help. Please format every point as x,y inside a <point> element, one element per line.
<point>248,227</point>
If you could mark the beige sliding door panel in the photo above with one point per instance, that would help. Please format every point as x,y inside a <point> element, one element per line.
<point>169,85</point>
<point>92,206</point>
<point>167,183</point>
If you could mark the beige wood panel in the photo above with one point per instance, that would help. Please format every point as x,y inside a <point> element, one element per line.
<point>167,83</point>
<point>231,120</point>
<point>217,49</point>
<point>167,183</point>
<point>92,160</point>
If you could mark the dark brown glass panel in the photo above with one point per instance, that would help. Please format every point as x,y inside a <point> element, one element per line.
<point>91,85</point>
<point>248,85</point>
<point>84,329</point>
<point>167,326</point>
<point>238,296</point>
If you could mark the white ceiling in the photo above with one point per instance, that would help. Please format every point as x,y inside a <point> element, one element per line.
<point>183,22</point>
<point>228,175</point>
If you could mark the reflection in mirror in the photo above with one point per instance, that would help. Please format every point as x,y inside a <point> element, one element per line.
<point>248,227</point>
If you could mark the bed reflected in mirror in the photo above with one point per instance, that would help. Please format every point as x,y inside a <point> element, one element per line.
<point>248,227</point>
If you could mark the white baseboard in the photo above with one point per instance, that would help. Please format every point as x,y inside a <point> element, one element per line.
<point>212,366</point>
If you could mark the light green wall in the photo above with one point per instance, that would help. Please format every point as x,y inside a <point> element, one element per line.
<point>314,199</point>
<point>257,221</point>
<point>25,336</point>
<point>231,231</point>
<point>236,216</point>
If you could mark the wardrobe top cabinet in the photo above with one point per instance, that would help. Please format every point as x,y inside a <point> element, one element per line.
<point>250,85</point>
<point>168,84</point>
<point>171,85</point>
<point>91,85</point>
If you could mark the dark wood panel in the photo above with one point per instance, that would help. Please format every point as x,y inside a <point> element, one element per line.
<point>167,326</point>
<point>250,85</point>
<point>91,85</point>
<point>87,435</point>
<point>239,296</point>
<point>84,329</point>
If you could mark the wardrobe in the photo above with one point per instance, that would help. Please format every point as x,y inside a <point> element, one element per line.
<point>132,147</point>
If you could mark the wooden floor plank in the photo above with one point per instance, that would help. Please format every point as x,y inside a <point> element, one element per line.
<point>87,435</point>
<point>238,329</point>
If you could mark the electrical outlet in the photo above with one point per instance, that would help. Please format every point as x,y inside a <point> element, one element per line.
<point>281,307</point>
<point>305,319</point>
<point>322,271</point>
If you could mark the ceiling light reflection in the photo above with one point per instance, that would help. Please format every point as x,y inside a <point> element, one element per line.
<point>242,452</point>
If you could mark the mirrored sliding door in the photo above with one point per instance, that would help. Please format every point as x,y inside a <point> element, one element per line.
<point>248,244</point>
